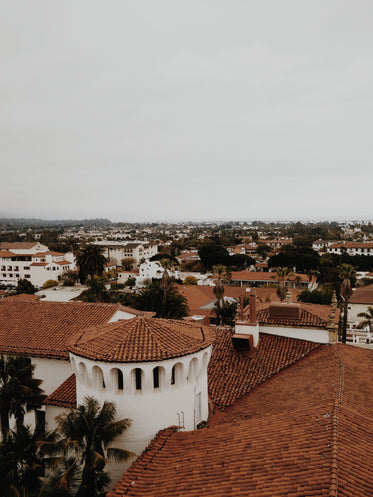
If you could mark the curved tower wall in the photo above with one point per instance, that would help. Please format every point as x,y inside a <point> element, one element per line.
<point>154,395</point>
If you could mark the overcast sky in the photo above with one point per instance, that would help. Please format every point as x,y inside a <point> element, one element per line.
<point>186,110</point>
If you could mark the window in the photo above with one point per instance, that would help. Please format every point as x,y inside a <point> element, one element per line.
<point>156,377</point>
<point>40,422</point>
<point>173,376</point>
<point>120,380</point>
<point>138,378</point>
<point>28,276</point>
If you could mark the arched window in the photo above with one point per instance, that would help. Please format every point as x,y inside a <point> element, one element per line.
<point>156,377</point>
<point>193,369</point>
<point>177,374</point>
<point>138,378</point>
<point>120,380</point>
<point>98,376</point>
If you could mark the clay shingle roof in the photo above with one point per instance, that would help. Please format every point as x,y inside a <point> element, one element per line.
<point>305,432</point>
<point>64,395</point>
<point>362,295</point>
<point>43,328</point>
<point>311,315</point>
<point>140,339</point>
<point>17,245</point>
<point>24,297</point>
<point>232,375</point>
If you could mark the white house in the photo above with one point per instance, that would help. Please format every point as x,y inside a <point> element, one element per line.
<point>32,261</point>
<point>116,251</point>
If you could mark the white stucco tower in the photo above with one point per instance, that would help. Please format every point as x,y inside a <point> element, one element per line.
<point>155,370</point>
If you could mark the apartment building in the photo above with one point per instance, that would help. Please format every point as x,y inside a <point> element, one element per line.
<point>32,261</point>
<point>116,251</point>
<point>351,248</point>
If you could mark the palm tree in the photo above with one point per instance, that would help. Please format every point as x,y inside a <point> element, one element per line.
<point>219,270</point>
<point>368,319</point>
<point>347,275</point>
<point>21,462</point>
<point>282,273</point>
<point>19,391</point>
<point>91,261</point>
<point>165,282</point>
<point>89,430</point>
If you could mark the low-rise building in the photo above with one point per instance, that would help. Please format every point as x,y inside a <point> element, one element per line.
<point>351,248</point>
<point>33,262</point>
<point>116,251</point>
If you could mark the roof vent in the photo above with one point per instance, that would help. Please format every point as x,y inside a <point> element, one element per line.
<point>284,311</point>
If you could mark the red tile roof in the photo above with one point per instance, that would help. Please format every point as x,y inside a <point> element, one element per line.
<point>305,432</point>
<point>232,375</point>
<point>139,340</point>
<point>17,245</point>
<point>43,328</point>
<point>271,277</point>
<point>64,395</point>
<point>24,297</point>
<point>362,295</point>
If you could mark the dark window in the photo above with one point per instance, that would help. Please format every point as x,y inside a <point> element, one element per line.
<point>138,378</point>
<point>156,377</point>
<point>173,376</point>
<point>120,380</point>
<point>40,422</point>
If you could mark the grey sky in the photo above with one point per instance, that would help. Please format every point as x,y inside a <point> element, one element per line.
<point>173,110</point>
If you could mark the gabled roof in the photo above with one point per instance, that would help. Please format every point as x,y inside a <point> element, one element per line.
<point>139,340</point>
<point>305,431</point>
<point>43,328</point>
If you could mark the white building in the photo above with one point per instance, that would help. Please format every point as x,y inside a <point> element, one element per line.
<point>351,248</point>
<point>116,251</point>
<point>32,261</point>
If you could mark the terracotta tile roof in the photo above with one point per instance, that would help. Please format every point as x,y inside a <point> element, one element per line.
<point>39,264</point>
<point>311,316</point>
<point>64,395</point>
<point>43,328</point>
<point>362,295</point>
<point>351,245</point>
<point>24,297</point>
<point>7,253</point>
<point>305,432</point>
<point>264,276</point>
<point>232,375</point>
<point>17,245</point>
<point>139,340</point>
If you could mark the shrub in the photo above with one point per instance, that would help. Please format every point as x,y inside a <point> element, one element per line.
<point>49,284</point>
<point>190,280</point>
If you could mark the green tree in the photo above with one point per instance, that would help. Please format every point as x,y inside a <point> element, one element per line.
<point>21,463</point>
<point>347,276</point>
<point>19,391</point>
<point>226,312</point>
<point>25,286</point>
<point>190,280</point>
<point>151,298</point>
<point>368,319</point>
<point>282,274</point>
<point>96,291</point>
<point>219,270</point>
<point>91,261</point>
<point>263,250</point>
<point>90,430</point>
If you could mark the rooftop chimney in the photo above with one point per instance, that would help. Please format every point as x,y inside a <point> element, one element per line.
<point>246,332</point>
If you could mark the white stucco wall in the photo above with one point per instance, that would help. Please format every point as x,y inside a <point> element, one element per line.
<point>53,372</point>
<point>310,335</point>
<point>354,310</point>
